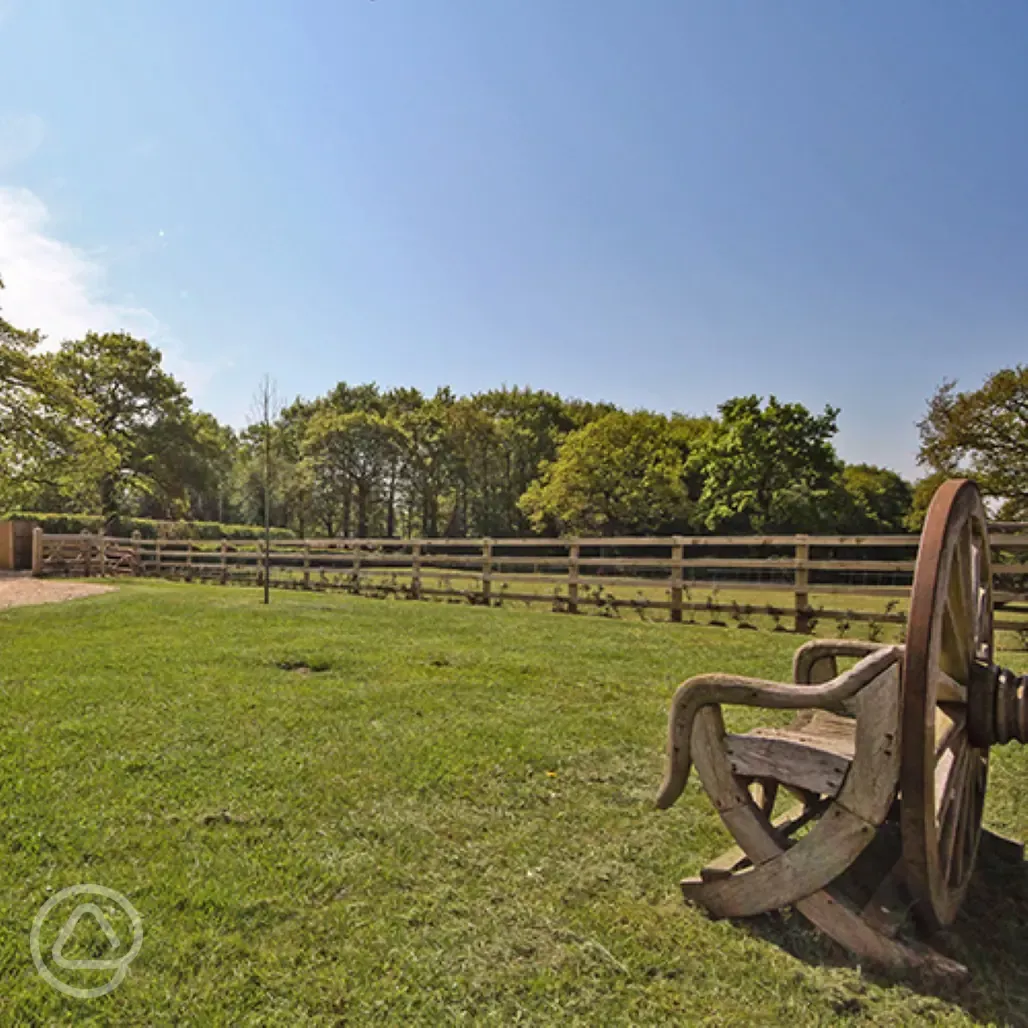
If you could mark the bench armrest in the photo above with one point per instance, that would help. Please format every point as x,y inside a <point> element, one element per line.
<point>715,689</point>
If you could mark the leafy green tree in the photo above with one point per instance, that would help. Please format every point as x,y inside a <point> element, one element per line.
<point>765,468</point>
<point>621,474</point>
<point>879,500</point>
<point>190,475</point>
<point>30,438</point>
<point>982,433</point>
<point>246,487</point>
<point>18,375</point>
<point>356,448</point>
<point>426,456</point>
<point>528,428</point>
<point>921,498</point>
<point>478,460</point>
<point>126,418</point>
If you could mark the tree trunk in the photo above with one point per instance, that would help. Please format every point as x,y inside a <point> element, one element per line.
<point>508,490</point>
<point>109,503</point>
<point>453,524</point>
<point>487,520</point>
<point>391,508</point>
<point>363,492</point>
<point>426,512</point>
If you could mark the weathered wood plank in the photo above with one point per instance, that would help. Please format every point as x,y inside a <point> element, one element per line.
<point>787,760</point>
<point>873,777</point>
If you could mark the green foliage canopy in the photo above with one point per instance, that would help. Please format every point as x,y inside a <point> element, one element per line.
<point>623,473</point>
<point>982,433</point>
<point>765,467</point>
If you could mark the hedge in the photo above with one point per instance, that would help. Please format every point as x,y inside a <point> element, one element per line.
<point>148,528</point>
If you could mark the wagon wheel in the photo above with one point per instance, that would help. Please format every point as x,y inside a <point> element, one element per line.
<point>942,775</point>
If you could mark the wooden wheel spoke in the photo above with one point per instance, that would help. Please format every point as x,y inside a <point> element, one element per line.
<point>955,651</point>
<point>968,822</point>
<point>947,772</point>
<point>954,657</point>
<point>948,689</point>
<point>954,719</point>
<point>982,594</point>
<point>959,615</point>
<point>963,587</point>
<point>951,813</point>
<point>947,842</point>
<point>982,647</point>
<point>974,592</point>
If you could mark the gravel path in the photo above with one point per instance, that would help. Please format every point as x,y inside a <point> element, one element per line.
<point>19,591</point>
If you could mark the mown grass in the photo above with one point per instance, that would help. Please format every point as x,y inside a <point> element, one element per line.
<point>337,810</point>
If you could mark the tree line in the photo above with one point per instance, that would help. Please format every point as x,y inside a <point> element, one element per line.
<point>99,427</point>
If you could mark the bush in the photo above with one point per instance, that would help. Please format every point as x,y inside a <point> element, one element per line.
<point>72,524</point>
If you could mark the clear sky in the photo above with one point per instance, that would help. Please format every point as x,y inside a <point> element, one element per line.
<point>659,204</point>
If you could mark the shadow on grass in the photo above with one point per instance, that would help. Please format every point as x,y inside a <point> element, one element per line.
<point>989,937</point>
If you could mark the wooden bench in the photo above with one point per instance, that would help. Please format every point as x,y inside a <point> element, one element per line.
<point>893,748</point>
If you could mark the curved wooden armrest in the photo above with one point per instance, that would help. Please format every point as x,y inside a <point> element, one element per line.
<point>810,653</point>
<point>710,690</point>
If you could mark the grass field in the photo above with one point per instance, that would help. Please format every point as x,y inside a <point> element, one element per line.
<point>339,810</point>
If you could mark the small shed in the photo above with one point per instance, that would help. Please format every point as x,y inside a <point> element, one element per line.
<point>16,545</point>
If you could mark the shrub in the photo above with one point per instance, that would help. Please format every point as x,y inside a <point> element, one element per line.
<point>148,528</point>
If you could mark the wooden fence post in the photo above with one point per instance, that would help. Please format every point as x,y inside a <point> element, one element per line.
<point>306,565</point>
<point>223,550</point>
<point>487,570</point>
<point>189,560</point>
<point>37,550</point>
<point>573,554</point>
<point>137,558</point>
<point>677,550</point>
<point>157,556</point>
<point>415,571</point>
<point>86,545</point>
<point>355,566</point>
<point>801,581</point>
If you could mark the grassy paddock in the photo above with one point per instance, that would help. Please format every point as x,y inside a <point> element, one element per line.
<point>336,810</point>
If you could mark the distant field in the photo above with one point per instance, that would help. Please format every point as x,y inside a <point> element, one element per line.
<point>337,810</point>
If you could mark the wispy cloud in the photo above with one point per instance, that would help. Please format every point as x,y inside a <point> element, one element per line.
<point>50,284</point>
<point>61,290</point>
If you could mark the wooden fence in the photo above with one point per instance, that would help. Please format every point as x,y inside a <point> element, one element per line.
<point>666,573</point>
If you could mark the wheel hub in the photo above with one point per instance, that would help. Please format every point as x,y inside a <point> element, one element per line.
<point>997,705</point>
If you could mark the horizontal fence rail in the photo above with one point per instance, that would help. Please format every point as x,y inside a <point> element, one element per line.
<point>667,572</point>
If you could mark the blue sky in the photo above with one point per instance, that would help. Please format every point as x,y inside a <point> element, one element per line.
<point>660,204</point>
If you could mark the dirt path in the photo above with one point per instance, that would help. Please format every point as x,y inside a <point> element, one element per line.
<point>19,591</point>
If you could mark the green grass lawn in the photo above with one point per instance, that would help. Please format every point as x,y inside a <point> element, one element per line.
<point>445,817</point>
